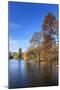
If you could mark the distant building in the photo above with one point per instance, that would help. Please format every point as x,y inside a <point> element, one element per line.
<point>22,55</point>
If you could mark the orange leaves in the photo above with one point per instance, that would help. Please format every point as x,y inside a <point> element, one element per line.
<point>26,56</point>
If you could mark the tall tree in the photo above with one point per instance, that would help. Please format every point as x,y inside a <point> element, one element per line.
<point>18,55</point>
<point>36,41</point>
<point>20,52</point>
<point>50,28</point>
<point>50,31</point>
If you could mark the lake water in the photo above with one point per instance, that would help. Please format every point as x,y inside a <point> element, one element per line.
<point>28,74</point>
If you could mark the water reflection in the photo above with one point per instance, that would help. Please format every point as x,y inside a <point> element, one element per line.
<point>26,74</point>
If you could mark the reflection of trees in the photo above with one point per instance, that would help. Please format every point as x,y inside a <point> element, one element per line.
<point>46,74</point>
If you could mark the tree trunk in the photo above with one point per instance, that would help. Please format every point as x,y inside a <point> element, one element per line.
<point>39,58</point>
<point>39,65</point>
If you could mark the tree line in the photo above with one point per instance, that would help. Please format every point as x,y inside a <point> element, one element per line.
<point>44,44</point>
<point>16,55</point>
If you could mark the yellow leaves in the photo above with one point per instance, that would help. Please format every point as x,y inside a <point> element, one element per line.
<point>31,49</point>
<point>26,56</point>
<point>56,24</point>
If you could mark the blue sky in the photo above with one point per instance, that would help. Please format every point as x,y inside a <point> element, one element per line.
<point>24,20</point>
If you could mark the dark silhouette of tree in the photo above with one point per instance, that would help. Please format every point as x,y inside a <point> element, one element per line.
<point>20,52</point>
<point>10,55</point>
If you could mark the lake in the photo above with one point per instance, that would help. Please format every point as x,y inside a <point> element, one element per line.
<point>31,74</point>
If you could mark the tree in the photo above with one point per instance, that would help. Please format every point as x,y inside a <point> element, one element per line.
<point>50,27</point>
<point>18,55</point>
<point>44,40</point>
<point>54,53</point>
<point>36,42</point>
<point>32,53</point>
<point>26,56</point>
<point>20,52</point>
<point>10,55</point>
<point>50,32</point>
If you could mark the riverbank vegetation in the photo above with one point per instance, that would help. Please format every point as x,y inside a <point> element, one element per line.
<point>43,44</point>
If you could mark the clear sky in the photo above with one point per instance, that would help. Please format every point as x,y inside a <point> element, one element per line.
<point>24,20</point>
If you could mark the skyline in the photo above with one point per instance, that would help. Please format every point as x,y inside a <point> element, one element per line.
<point>24,20</point>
